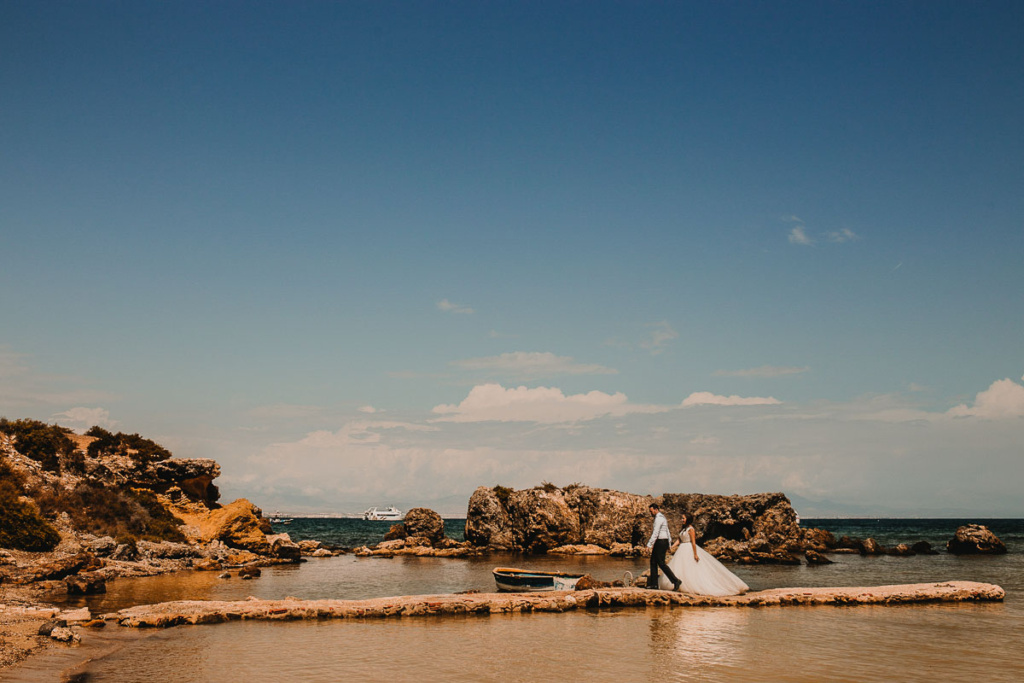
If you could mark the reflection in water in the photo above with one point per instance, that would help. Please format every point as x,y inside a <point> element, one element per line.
<point>694,642</point>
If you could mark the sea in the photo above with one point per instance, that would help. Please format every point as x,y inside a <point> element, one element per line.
<point>937,642</point>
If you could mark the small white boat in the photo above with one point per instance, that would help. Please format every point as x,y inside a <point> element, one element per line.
<point>388,514</point>
<point>530,581</point>
<point>278,519</point>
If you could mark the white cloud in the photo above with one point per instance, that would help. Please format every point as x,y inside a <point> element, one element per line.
<point>549,405</point>
<point>797,235</point>
<point>706,398</point>
<point>844,235</point>
<point>529,365</point>
<point>662,334</point>
<point>763,371</point>
<point>1003,399</point>
<point>82,418</point>
<point>449,307</point>
<point>367,409</point>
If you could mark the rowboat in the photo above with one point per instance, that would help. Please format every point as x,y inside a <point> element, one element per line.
<point>530,581</point>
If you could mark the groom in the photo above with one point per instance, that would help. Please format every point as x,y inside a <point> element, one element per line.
<point>660,540</point>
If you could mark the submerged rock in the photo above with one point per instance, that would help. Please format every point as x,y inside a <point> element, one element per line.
<point>901,550</point>
<point>815,558</point>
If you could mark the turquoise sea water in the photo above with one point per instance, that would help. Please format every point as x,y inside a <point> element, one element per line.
<point>861,643</point>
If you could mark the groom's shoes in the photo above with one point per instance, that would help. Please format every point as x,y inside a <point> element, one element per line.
<point>676,584</point>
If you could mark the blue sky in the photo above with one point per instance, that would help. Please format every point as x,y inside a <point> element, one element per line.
<point>364,253</point>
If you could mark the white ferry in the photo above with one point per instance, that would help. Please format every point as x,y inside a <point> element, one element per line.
<point>389,514</point>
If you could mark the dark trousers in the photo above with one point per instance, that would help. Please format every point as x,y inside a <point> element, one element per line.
<point>658,560</point>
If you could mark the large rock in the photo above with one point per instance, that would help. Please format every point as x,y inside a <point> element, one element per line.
<point>735,518</point>
<point>193,477</point>
<point>975,539</point>
<point>419,523</point>
<point>86,583</point>
<point>758,528</point>
<point>285,549</point>
<point>237,525</point>
<point>487,519</point>
<point>54,570</point>
<point>424,522</point>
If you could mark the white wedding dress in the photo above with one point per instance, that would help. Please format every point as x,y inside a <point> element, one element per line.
<point>707,577</point>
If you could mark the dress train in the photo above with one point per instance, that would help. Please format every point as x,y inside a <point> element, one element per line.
<point>707,577</point>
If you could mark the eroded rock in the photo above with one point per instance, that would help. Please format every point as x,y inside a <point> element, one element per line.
<point>975,539</point>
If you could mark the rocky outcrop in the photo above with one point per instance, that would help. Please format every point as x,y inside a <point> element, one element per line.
<point>421,534</point>
<point>753,529</point>
<point>53,570</point>
<point>85,583</point>
<point>539,519</point>
<point>421,523</point>
<point>975,539</point>
<point>236,524</point>
<point>282,546</point>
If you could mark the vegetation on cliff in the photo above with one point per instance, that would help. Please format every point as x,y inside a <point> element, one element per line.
<point>21,525</point>
<point>125,514</point>
<point>136,447</point>
<point>69,483</point>
<point>48,445</point>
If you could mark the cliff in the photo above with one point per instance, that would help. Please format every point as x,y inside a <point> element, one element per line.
<point>78,509</point>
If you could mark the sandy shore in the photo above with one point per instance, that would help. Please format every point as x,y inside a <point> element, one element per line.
<point>18,628</point>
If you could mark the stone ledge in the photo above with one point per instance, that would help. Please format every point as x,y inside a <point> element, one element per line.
<point>168,614</point>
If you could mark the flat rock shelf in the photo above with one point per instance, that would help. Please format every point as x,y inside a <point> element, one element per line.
<point>181,612</point>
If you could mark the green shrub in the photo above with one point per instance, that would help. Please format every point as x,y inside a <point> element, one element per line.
<point>502,493</point>
<point>137,447</point>
<point>21,526</point>
<point>107,511</point>
<point>548,487</point>
<point>42,442</point>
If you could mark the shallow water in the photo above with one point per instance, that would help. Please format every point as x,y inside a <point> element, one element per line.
<point>860,643</point>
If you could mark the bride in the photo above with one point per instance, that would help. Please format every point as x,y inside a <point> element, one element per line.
<point>698,570</point>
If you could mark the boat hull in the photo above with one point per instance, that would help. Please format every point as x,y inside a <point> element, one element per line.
<point>524,581</point>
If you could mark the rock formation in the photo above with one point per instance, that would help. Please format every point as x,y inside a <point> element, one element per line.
<point>975,539</point>
<point>759,528</point>
<point>126,509</point>
<point>421,533</point>
<point>418,523</point>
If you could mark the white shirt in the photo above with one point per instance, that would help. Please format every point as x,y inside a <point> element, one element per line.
<point>660,530</point>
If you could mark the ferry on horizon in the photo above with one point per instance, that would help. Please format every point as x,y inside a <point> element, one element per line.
<point>389,514</point>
